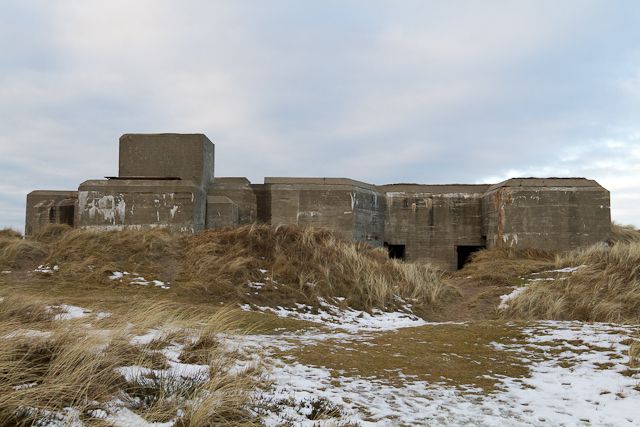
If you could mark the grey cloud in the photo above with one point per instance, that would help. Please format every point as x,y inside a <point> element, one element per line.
<point>379,91</point>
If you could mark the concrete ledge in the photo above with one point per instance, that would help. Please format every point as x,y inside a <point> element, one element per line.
<point>546,182</point>
<point>219,200</point>
<point>434,188</point>
<point>231,180</point>
<point>318,181</point>
<point>126,185</point>
<point>62,193</point>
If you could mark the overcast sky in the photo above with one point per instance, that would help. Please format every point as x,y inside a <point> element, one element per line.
<point>379,91</point>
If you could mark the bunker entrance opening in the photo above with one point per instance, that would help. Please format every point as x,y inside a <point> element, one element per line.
<point>464,254</point>
<point>66,214</point>
<point>396,251</point>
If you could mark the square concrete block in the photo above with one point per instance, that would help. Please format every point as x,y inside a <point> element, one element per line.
<point>187,156</point>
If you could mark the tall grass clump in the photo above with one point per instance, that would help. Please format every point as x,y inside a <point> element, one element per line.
<point>304,264</point>
<point>90,254</point>
<point>16,253</point>
<point>64,371</point>
<point>634,354</point>
<point>9,233</point>
<point>605,287</point>
<point>624,233</point>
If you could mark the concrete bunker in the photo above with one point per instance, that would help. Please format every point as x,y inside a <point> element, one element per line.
<point>167,180</point>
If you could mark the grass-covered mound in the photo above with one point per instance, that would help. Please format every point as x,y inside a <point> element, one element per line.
<point>505,266</point>
<point>604,287</point>
<point>293,264</point>
<point>258,264</point>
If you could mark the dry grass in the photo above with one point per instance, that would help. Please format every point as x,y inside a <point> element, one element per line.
<point>426,355</point>
<point>634,354</point>
<point>624,233</point>
<point>503,265</point>
<point>606,288</point>
<point>16,253</point>
<point>302,264</point>
<point>90,254</point>
<point>47,365</point>
<point>9,233</point>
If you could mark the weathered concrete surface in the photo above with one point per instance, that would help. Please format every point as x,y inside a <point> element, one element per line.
<point>240,192</point>
<point>433,220</point>
<point>187,156</point>
<point>46,207</point>
<point>553,214</point>
<point>221,212</point>
<point>352,209</point>
<point>124,204</point>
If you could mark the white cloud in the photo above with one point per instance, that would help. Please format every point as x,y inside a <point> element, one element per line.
<point>615,164</point>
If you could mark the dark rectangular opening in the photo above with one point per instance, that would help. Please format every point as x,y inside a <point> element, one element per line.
<point>464,254</point>
<point>395,251</point>
<point>66,214</point>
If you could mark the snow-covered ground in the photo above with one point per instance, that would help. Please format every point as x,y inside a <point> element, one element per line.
<point>332,313</point>
<point>349,319</point>
<point>578,375</point>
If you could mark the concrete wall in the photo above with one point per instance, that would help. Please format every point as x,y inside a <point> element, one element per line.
<point>46,207</point>
<point>352,209</point>
<point>553,214</point>
<point>238,190</point>
<point>122,204</point>
<point>221,212</point>
<point>187,156</point>
<point>432,220</point>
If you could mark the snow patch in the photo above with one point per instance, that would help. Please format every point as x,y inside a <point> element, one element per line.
<point>67,312</point>
<point>504,299</point>
<point>349,319</point>
<point>562,270</point>
<point>136,279</point>
<point>46,269</point>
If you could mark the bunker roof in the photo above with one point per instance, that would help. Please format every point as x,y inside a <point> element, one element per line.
<point>546,182</point>
<point>318,181</point>
<point>436,188</point>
